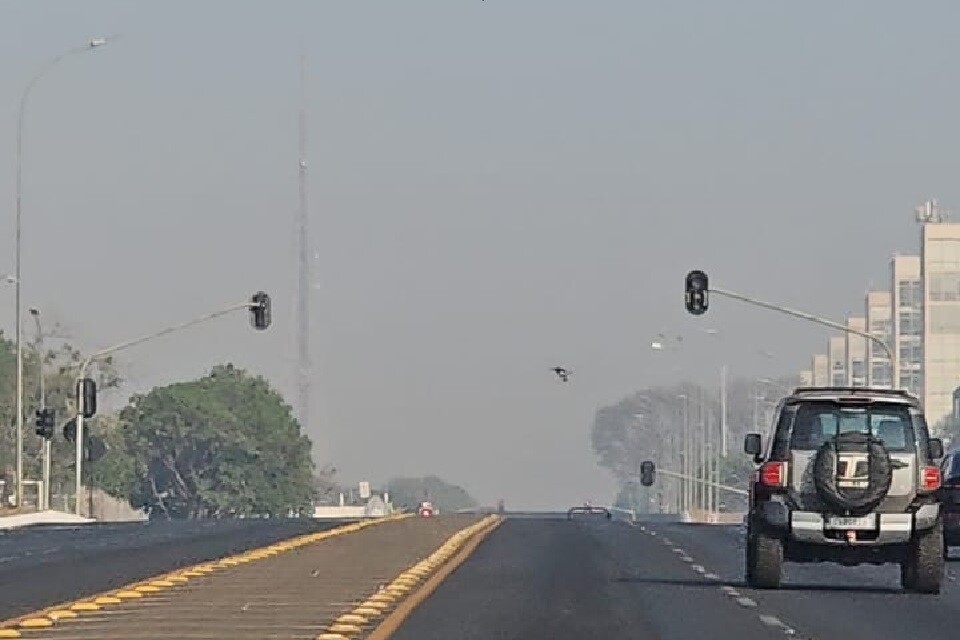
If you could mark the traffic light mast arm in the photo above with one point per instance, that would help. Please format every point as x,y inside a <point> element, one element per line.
<point>103,353</point>
<point>817,319</point>
<point>681,476</point>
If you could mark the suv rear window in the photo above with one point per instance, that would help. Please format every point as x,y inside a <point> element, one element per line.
<point>818,422</point>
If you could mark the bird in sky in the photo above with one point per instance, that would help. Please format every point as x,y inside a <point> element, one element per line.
<point>562,373</point>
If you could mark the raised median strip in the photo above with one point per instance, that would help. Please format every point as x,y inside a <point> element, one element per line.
<point>98,603</point>
<point>323,584</point>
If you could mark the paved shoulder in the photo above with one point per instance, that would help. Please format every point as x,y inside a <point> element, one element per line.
<point>555,579</point>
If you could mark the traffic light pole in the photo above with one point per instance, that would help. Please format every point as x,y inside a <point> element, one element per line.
<point>103,353</point>
<point>894,360</point>
<point>704,482</point>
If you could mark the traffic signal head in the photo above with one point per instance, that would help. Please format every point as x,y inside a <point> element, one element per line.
<point>45,423</point>
<point>696,292</point>
<point>647,472</point>
<point>70,430</point>
<point>87,390</point>
<point>260,310</point>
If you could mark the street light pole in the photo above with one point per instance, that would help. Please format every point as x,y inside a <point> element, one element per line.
<point>44,498</point>
<point>90,45</point>
<point>891,353</point>
<point>103,353</point>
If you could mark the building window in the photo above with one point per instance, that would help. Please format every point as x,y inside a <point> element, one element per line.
<point>910,323</point>
<point>944,287</point>
<point>910,294</point>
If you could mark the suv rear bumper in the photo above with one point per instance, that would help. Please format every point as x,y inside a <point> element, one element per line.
<point>808,526</point>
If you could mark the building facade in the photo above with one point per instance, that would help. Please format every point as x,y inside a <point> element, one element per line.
<point>906,295</point>
<point>855,348</point>
<point>940,282</point>
<point>879,314</point>
<point>820,368</point>
<point>837,354</point>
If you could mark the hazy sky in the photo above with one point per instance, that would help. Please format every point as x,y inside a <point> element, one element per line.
<point>495,187</point>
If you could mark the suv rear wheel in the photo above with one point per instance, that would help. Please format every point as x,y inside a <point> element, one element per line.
<point>922,568</point>
<point>764,559</point>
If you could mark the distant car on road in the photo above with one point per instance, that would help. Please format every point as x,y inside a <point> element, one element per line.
<point>848,475</point>
<point>589,510</point>
<point>426,509</point>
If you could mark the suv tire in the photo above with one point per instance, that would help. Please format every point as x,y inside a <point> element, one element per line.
<point>922,569</point>
<point>764,560</point>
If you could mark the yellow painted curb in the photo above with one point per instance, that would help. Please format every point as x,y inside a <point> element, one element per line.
<point>36,623</point>
<point>107,600</point>
<point>376,604</point>
<point>344,628</point>
<point>459,547</point>
<point>85,606</point>
<point>62,614</point>
<point>128,594</point>
<point>331,636</point>
<point>9,633</point>
<point>351,618</point>
<point>146,588</point>
<point>162,583</point>
<point>367,612</point>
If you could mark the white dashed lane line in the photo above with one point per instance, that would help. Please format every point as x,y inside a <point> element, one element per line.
<point>774,621</point>
<point>745,602</point>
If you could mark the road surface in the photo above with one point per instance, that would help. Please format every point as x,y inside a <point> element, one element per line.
<point>540,579</point>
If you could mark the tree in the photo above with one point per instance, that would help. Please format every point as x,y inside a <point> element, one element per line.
<point>60,368</point>
<point>226,444</point>
<point>409,492</point>
<point>648,425</point>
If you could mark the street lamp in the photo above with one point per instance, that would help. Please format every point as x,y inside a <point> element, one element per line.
<point>44,498</point>
<point>94,43</point>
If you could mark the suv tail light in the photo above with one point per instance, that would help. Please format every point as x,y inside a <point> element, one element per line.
<point>774,473</point>
<point>930,477</point>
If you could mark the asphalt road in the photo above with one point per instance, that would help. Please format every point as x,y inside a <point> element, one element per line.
<point>545,579</point>
<point>45,565</point>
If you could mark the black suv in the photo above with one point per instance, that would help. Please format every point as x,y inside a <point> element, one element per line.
<point>848,476</point>
<point>950,500</point>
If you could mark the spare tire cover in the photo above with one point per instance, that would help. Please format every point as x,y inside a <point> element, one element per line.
<point>879,473</point>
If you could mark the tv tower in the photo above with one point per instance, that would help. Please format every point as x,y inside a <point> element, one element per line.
<point>303,289</point>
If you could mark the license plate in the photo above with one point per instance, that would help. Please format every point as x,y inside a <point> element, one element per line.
<point>866,522</point>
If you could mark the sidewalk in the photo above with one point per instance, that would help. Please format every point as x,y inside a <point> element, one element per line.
<point>41,517</point>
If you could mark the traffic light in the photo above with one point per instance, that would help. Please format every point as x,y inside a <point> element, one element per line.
<point>696,292</point>
<point>260,310</point>
<point>88,389</point>
<point>70,430</point>
<point>647,472</point>
<point>46,421</point>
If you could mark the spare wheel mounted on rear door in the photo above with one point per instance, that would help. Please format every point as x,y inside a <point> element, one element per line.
<point>850,452</point>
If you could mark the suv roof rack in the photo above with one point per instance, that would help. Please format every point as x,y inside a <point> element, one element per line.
<point>853,391</point>
<point>868,392</point>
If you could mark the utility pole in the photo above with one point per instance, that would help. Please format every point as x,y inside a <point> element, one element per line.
<point>723,411</point>
<point>303,292</point>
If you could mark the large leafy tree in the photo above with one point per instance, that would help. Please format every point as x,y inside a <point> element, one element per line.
<point>226,444</point>
<point>648,425</point>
